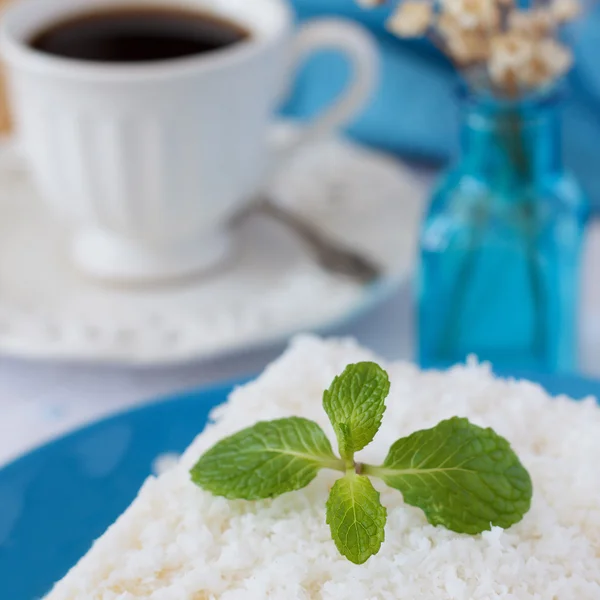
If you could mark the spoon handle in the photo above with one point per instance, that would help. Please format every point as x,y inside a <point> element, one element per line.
<point>332,256</point>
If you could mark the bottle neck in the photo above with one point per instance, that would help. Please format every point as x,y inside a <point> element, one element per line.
<point>511,144</point>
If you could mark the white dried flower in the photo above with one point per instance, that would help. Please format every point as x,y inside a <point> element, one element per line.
<point>469,49</point>
<point>536,22</point>
<point>473,14</point>
<point>557,57</point>
<point>464,46</point>
<point>518,62</point>
<point>565,10</point>
<point>511,49</point>
<point>534,74</point>
<point>510,53</point>
<point>411,19</point>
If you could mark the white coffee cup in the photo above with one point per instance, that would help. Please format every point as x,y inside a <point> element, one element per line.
<point>150,160</point>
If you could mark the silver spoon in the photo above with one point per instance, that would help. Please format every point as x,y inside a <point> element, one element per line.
<point>331,255</point>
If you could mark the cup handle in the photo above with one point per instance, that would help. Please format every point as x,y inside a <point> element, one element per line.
<point>358,45</point>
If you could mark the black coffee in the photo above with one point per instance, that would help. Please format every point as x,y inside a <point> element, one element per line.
<point>137,34</point>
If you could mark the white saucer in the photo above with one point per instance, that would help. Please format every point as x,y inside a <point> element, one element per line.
<point>269,289</point>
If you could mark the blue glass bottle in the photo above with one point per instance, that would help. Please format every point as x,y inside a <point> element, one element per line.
<point>501,243</point>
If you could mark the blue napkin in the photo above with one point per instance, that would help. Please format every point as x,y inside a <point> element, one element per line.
<point>415,112</point>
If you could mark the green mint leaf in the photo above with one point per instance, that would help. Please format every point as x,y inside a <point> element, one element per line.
<point>355,404</point>
<point>266,460</point>
<point>462,476</point>
<point>356,518</point>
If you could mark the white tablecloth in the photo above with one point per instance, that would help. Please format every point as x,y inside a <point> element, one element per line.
<point>39,401</point>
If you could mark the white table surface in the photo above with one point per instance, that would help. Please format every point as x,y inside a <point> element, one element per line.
<point>39,401</point>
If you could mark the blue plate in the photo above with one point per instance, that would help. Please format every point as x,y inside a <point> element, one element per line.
<point>55,501</point>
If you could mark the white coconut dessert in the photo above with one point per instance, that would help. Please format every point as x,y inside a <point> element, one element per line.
<point>178,541</point>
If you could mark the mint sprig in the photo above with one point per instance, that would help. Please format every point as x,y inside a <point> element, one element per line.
<point>355,403</point>
<point>356,517</point>
<point>266,460</point>
<point>464,477</point>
